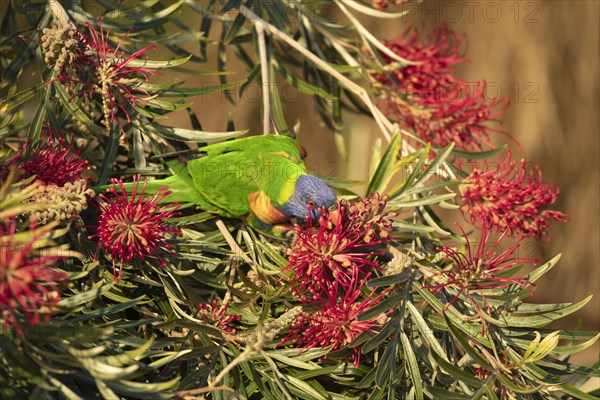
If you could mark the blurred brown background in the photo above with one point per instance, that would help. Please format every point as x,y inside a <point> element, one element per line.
<point>543,56</point>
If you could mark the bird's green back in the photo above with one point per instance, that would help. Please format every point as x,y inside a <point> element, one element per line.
<point>231,171</point>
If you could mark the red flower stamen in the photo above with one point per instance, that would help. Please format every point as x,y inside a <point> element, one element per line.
<point>330,253</point>
<point>216,315</point>
<point>481,269</point>
<point>510,198</point>
<point>115,76</point>
<point>428,99</point>
<point>28,280</point>
<point>134,228</point>
<point>335,324</point>
<point>54,160</point>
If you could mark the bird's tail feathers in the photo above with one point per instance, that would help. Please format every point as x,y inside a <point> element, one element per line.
<point>180,185</point>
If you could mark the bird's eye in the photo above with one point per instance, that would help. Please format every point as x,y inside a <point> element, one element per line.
<point>311,203</point>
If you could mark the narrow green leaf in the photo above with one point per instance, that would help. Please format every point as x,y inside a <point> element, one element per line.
<point>105,311</point>
<point>104,390</point>
<point>143,63</point>
<point>37,123</point>
<point>373,343</point>
<point>74,109</point>
<point>110,154</point>
<point>382,307</point>
<point>467,347</point>
<point>478,155</point>
<point>516,388</point>
<point>456,372</point>
<point>15,100</point>
<point>276,108</point>
<point>409,227</point>
<point>430,171</point>
<point>237,24</point>
<point>152,20</point>
<point>576,347</point>
<point>382,174</point>
<point>292,362</point>
<point>390,279</point>
<point>422,201</point>
<point>144,390</point>
<point>304,387</point>
<point>387,365</point>
<point>472,330</point>
<point>304,86</point>
<point>191,135</point>
<point>205,89</point>
<point>541,270</point>
<point>576,393</point>
<point>84,297</point>
<point>443,394</point>
<point>535,321</point>
<point>306,374</point>
<point>425,330</point>
<point>413,365</point>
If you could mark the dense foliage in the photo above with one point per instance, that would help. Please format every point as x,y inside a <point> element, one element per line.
<point>110,291</point>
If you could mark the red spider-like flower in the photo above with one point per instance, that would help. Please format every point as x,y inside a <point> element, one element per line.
<point>481,269</point>
<point>428,99</point>
<point>430,79</point>
<point>327,255</point>
<point>335,324</point>
<point>134,227</point>
<point>460,119</point>
<point>54,160</point>
<point>216,316</point>
<point>383,4</point>
<point>510,198</point>
<point>28,280</point>
<point>115,79</point>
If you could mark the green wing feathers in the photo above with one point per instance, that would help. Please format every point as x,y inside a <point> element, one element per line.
<point>224,178</point>
<point>231,171</point>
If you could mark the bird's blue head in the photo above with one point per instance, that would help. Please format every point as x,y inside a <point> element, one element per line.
<point>309,192</point>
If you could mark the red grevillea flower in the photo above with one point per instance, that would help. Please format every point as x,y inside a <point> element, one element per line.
<point>115,78</point>
<point>460,119</point>
<point>510,198</point>
<point>481,269</point>
<point>428,99</point>
<point>217,316</point>
<point>54,160</point>
<point>134,227</point>
<point>383,4</point>
<point>430,79</point>
<point>28,282</point>
<point>335,324</point>
<point>328,254</point>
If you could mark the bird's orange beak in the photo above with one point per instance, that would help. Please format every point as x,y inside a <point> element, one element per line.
<point>334,214</point>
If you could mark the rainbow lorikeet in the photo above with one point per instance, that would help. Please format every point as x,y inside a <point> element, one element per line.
<point>262,179</point>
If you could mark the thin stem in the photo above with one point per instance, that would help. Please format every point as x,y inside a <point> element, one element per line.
<point>264,72</point>
<point>368,37</point>
<point>234,246</point>
<point>387,128</point>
